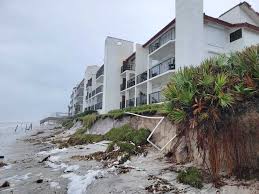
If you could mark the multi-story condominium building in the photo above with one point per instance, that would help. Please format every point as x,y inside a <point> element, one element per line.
<point>135,74</point>
<point>76,99</point>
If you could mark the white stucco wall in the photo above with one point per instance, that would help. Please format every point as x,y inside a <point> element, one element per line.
<point>189,32</point>
<point>90,72</point>
<point>250,37</point>
<point>237,15</point>
<point>141,59</point>
<point>116,50</point>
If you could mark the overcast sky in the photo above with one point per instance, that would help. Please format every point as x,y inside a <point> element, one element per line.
<point>45,45</point>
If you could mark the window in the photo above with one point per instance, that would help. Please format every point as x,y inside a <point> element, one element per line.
<point>236,35</point>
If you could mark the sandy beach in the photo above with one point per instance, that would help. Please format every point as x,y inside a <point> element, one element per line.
<point>38,166</point>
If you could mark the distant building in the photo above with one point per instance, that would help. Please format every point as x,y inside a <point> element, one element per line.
<point>133,75</point>
<point>76,99</point>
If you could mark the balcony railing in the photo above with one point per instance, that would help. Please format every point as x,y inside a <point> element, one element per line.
<point>126,67</point>
<point>155,97</point>
<point>162,40</point>
<point>123,86</point>
<point>100,72</point>
<point>131,82</point>
<point>89,83</point>
<point>99,106</point>
<point>99,89</point>
<point>130,102</point>
<point>141,100</point>
<point>93,92</point>
<point>142,77</point>
<point>163,67</point>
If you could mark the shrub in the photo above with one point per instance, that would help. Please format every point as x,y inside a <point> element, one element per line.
<point>68,123</point>
<point>127,134</point>
<point>191,176</point>
<point>80,139</point>
<point>88,120</point>
<point>142,110</point>
<point>209,99</point>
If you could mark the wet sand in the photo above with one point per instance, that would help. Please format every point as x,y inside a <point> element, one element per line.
<point>61,174</point>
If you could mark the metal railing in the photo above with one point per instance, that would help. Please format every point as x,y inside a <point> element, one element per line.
<point>162,40</point>
<point>163,67</point>
<point>99,89</point>
<point>100,71</point>
<point>99,106</point>
<point>93,92</point>
<point>126,67</point>
<point>142,77</point>
<point>141,100</point>
<point>155,97</point>
<point>130,102</point>
<point>131,82</point>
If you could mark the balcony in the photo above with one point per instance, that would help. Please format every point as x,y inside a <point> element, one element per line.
<point>163,67</point>
<point>130,102</point>
<point>141,100</point>
<point>93,93</point>
<point>131,82</point>
<point>100,72</point>
<point>142,77</point>
<point>99,89</point>
<point>170,35</point>
<point>99,106</point>
<point>155,97</point>
<point>123,86</point>
<point>89,83</point>
<point>126,67</point>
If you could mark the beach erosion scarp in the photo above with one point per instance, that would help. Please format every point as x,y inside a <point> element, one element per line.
<point>39,166</point>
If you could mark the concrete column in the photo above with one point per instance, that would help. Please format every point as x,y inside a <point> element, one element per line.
<point>149,90</point>
<point>136,95</point>
<point>190,44</point>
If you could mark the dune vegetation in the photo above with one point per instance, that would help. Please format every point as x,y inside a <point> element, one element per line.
<point>219,101</point>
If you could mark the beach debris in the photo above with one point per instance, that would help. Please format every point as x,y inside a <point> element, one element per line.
<point>72,168</point>
<point>39,181</point>
<point>2,164</point>
<point>123,169</point>
<point>45,159</point>
<point>160,185</point>
<point>5,184</point>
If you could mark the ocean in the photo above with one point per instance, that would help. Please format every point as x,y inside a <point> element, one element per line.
<point>8,136</point>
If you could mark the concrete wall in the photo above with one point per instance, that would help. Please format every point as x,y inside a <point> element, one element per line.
<point>189,32</point>
<point>141,59</point>
<point>250,37</point>
<point>116,50</point>
<point>89,73</point>
<point>237,15</point>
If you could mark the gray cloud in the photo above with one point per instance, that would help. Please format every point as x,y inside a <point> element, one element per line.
<point>45,45</point>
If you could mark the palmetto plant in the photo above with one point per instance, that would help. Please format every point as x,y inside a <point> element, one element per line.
<point>207,97</point>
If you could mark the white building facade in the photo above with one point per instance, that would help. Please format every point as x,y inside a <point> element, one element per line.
<point>76,99</point>
<point>135,74</point>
